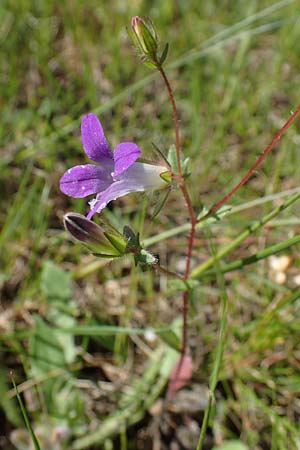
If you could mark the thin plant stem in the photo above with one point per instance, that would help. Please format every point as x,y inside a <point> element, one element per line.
<point>265,253</point>
<point>33,437</point>
<point>193,219</point>
<point>226,250</point>
<point>193,222</point>
<point>167,272</point>
<point>219,351</point>
<point>177,145</point>
<point>150,241</point>
<point>255,166</point>
<point>216,370</point>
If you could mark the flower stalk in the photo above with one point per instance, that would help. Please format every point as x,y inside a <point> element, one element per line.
<point>192,215</point>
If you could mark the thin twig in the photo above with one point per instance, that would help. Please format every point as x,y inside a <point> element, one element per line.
<point>255,166</point>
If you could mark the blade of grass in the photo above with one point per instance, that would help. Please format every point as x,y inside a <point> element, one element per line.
<point>26,418</point>
<point>96,264</point>
<point>226,250</point>
<point>19,206</point>
<point>215,42</point>
<point>133,406</point>
<point>186,227</point>
<point>268,251</point>
<point>233,28</point>
<point>220,345</point>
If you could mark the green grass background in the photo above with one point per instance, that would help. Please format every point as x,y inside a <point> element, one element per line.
<point>235,70</point>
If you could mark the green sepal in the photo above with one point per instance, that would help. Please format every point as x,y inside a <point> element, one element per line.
<point>160,153</point>
<point>161,202</point>
<point>117,241</point>
<point>164,54</point>
<point>145,40</point>
<point>141,256</point>
<point>133,240</point>
<point>166,176</point>
<point>150,65</point>
<point>148,40</point>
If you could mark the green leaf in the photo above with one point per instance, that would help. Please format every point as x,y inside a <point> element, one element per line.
<point>55,283</point>
<point>65,339</point>
<point>163,197</point>
<point>222,212</point>
<point>160,153</point>
<point>45,349</point>
<point>172,159</point>
<point>170,338</point>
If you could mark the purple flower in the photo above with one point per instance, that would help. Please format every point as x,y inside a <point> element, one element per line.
<point>119,174</point>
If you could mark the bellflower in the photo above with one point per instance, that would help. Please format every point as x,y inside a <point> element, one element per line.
<point>117,175</point>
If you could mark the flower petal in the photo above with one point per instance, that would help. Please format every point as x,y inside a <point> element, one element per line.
<point>81,181</point>
<point>137,178</point>
<point>125,155</point>
<point>145,175</point>
<point>93,140</point>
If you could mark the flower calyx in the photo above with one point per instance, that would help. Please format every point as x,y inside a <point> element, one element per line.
<point>145,39</point>
<point>141,256</point>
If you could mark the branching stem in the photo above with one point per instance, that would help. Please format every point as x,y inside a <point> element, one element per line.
<point>255,166</point>
<point>193,222</point>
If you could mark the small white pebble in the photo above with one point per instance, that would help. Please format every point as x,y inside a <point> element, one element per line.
<point>280,277</point>
<point>297,279</point>
<point>279,263</point>
<point>150,335</point>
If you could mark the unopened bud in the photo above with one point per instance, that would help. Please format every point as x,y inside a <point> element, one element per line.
<point>105,241</point>
<point>145,40</point>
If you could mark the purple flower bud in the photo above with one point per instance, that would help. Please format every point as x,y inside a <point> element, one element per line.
<point>103,240</point>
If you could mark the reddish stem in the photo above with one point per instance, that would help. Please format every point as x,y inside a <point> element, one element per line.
<point>177,144</point>
<point>257,163</point>
<point>192,214</point>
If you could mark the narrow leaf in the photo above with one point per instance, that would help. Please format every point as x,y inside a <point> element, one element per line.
<point>161,203</point>
<point>26,418</point>
<point>164,54</point>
